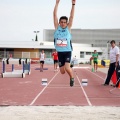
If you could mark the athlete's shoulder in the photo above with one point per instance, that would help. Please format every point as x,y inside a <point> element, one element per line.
<point>117,47</point>
<point>58,27</point>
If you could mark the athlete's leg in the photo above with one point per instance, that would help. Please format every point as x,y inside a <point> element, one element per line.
<point>68,70</point>
<point>40,66</point>
<point>57,65</point>
<point>96,66</point>
<point>54,65</point>
<point>61,57</point>
<point>62,70</point>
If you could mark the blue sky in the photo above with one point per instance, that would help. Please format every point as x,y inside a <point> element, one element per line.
<point>19,18</point>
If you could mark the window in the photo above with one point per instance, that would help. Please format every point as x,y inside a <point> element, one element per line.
<point>99,53</point>
<point>82,55</point>
<point>88,53</point>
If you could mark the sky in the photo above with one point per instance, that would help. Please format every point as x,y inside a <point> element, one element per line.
<point>20,18</point>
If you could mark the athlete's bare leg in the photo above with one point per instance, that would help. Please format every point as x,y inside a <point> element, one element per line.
<point>41,67</point>
<point>94,67</point>
<point>62,70</point>
<point>68,69</point>
<point>56,65</point>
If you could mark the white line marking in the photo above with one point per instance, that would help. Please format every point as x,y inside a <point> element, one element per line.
<point>81,67</point>
<point>96,74</point>
<point>84,92</point>
<point>52,87</point>
<point>43,89</point>
<point>58,85</point>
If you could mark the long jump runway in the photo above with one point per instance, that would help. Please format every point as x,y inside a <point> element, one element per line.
<point>29,90</point>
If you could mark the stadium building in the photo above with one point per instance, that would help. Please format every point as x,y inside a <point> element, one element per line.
<point>85,41</point>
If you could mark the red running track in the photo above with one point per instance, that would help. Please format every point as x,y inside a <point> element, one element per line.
<point>29,91</point>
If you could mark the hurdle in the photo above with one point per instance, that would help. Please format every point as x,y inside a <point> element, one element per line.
<point>16,73</point>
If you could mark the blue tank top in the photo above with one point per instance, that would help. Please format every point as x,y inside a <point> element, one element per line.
<point>62,40</point>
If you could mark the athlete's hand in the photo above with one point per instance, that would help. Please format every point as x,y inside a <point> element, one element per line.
<point>57,1</point>
<point>73,1</point>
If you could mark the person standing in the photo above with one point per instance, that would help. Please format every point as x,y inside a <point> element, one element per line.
<point>62,40</point>
<point>95,60</point>
<point>42,59</point>
<point>55,58</point>
<point>114,62</point>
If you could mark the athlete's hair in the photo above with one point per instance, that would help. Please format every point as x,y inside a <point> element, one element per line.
<point>63,17</point>
<point>113,41</point>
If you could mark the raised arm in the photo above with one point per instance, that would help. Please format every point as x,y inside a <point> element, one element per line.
<point>71,14</point>
<point>55,18</point>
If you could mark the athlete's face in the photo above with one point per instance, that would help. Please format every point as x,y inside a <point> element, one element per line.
<point>63,23</point>
<point>112,44</point>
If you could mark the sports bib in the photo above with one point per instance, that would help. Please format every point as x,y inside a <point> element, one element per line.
<point>61,43</point>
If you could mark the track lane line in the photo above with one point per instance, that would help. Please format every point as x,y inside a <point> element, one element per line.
<point>89,103</point>
<point>34,100</point>
<point>96,75</point>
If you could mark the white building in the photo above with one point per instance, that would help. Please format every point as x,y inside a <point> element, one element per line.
<point>84,42</point>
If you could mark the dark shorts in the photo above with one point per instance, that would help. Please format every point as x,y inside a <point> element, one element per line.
<point>64,57</point>
<point>55,61</point>
<point>42,62</point>
<point>95,62</point>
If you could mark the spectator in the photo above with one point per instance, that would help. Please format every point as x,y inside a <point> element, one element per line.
<point>95,60</point>
<point>42,59</point>
<point>114,61</point>
<point>55,58</point>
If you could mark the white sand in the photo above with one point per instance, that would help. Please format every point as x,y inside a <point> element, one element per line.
<point>59,113</point>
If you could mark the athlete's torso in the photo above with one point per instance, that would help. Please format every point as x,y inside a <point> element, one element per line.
<point>62,39</point>
<point>42,56</point>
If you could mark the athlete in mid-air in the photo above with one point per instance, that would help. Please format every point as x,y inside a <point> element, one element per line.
<point>62,40</point>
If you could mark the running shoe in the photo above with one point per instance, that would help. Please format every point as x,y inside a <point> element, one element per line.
<point>72,82</point>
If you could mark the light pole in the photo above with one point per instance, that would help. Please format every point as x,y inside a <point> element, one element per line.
<point>36,38</point>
